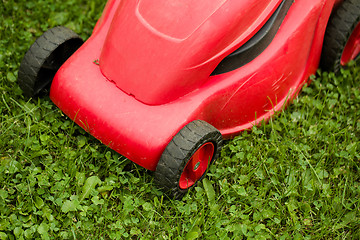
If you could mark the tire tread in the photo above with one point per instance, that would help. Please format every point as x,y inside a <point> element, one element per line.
<point>179,151</point>
<point>342,22</point>
<point>37,55</point>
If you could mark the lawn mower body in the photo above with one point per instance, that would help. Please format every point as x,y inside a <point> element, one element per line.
<point>151,67</point>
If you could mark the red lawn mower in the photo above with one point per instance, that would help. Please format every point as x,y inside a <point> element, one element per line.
<point>164,82</point>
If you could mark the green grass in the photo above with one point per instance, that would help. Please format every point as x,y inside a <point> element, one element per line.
<point>296,177</point>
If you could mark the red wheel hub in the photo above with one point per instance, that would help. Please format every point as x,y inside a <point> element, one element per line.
<point>197,165</point>
<point>352,48</point>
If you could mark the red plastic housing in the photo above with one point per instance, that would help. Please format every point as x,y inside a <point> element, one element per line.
<point>156,60</point>
<point>176,44</point>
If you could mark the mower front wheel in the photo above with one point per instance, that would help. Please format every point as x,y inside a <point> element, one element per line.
<point>187,158</point>
<point>44,58</point>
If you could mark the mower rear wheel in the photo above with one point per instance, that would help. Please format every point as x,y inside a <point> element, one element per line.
<point>187,158</point>
<point>342,37</point>
<point>44,58</point>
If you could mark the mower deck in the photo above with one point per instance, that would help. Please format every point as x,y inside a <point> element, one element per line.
<point>231,101</point>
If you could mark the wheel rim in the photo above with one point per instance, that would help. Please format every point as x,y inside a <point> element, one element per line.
<point>352,47</point>
<point>197,165</point>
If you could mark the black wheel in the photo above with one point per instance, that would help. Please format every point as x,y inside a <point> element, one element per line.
<point>342,37</point>
<point>44,58</point>
<point>187,157</point>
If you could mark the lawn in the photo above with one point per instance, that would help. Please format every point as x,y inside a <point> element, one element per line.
<point>296,177</point>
